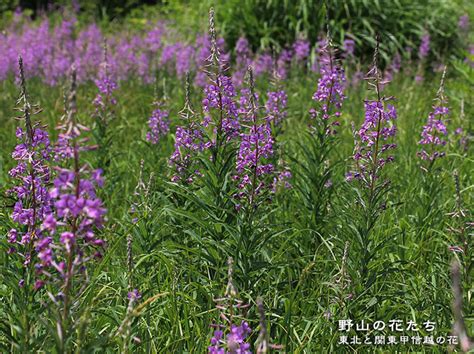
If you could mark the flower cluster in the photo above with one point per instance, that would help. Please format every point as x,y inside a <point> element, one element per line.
<point>463,23</point>
<point>158,124</point>
<point>301,49</point>
<point>393,68</point>
<point>106,86</point>
<point>433,133</point>
<point>275,107</point>
<point>33,176</point>
<point>235,342</point>
<point>348,47</point>
<point>330,91</point>
<point>256,147</point>
<point>242,60</point>
<point>78,211</point>
<point>424,48</point>
<point>220,94</point>
<point>189,141</point>
<point>371,152</point>
<point>282,179</point>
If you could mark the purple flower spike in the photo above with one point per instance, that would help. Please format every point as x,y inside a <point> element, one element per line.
<point>433,136</point>
<point>424,48</point>
<point>159,126</point>
<point>330,92</point>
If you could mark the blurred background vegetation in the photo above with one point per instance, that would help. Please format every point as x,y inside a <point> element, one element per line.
<point>276,23</point>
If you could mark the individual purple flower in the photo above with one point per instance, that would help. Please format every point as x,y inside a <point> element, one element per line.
<point>134,295</point>
<point>158,124</point>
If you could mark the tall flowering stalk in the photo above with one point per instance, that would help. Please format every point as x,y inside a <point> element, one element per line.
<point>459,327</point>
<point>263,344</point>
<point>276,113</point>
<point>433,137</point>
<point>32,175</point>
<point>104,103</point>
<point>314,183</point>
<point>373,146</point>
<point>220,110</point>
<point>423,51</point>
<point>372,153</point>
<point>330,92</point>
<point>71,239</point>
<point>210,138</point>
<point>277,102</point>
<point>158,123</point>
<point>189,142</point>
<point>256,148</point>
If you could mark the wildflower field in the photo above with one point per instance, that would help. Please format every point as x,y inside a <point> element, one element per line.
<point>184,178</point>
